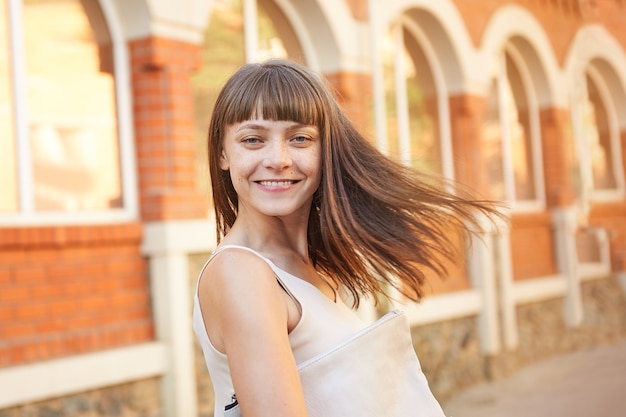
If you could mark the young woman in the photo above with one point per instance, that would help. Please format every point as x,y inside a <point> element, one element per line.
<point>310,214</point>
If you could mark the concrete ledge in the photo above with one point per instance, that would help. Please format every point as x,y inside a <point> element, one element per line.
<point>443,307</point>
<point>594,270</point>
<point>539,289</point>
<point>178,236</point>
<point>59,377</point>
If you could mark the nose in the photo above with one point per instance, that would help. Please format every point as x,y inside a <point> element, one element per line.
<point>278,156</point>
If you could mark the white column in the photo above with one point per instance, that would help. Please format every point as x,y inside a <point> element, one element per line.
<point>251,30</point>
<point>565,225</point>
<point>378,87</point>
<point>507,297</point>
<point>169,277</point>
<point>167,245</point>
<point>481,267</point>
<point>22,136</point>
<point>402,106</point>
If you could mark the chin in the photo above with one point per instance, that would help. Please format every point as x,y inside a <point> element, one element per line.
<point>285,212</point>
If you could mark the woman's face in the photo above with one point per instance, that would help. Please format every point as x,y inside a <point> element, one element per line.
<point>275,166</point>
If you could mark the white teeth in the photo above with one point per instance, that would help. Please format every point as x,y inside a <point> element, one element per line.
<point>275,183</point>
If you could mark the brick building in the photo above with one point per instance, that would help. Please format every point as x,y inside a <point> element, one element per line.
<point>105,215</point>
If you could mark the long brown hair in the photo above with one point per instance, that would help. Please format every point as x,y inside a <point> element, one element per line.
<point>373,220</point>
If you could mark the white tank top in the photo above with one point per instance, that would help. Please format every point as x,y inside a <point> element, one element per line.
<point>323,324</point>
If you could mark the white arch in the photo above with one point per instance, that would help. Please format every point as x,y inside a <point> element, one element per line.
<point>133,16</point>
<point>124,106</point>
<point>443,109</point>
<point>299,27</point>
<point>326,30</point>
<point>512,23</point>
<point>180,20</point>
<point>342,47</point>
<point>447,33</point>
<point>593,45</point>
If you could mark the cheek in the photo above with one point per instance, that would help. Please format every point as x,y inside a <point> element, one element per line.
<point>316,166</point>
<point>237,182</point>
<point>223,163</point>
<point>239,172</point>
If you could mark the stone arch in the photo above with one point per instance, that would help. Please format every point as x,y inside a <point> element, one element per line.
<point>134,17</point>
<point>515,25</point>
<point>322,27</point>
<point>447,34</point>
<point>184,21</point>
<point>324,30</point>
<point>594,46</point>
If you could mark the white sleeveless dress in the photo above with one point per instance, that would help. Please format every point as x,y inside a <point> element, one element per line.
<point>331,344</point>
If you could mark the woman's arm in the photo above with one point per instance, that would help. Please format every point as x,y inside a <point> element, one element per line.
<point>246,313</point>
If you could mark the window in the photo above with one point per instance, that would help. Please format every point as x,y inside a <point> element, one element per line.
<point>61,147</point>
<point>510,135</point>
<point>276,37</point>
<point>412,101</point>
<point>596,134</point>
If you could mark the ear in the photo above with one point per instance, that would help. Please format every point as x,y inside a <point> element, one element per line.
<point>224,165</point>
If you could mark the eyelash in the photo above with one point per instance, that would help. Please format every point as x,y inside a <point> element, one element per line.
<point>254,140</point>
<point>305,138</point>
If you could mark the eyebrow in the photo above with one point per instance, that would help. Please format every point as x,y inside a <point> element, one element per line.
<point>252,126</point>
<point>256,126</point>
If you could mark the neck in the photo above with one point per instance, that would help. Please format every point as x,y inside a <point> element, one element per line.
<point>272,236</point>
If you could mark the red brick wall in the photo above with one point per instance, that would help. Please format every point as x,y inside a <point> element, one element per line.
<point>570,15</point>
<point>164,128</point>
<point>71,289</point>
<point>532,248</point>
<point>467,114</point>
<point>353,91</point>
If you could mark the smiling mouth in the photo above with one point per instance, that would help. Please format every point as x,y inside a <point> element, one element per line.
<point>284,183</point>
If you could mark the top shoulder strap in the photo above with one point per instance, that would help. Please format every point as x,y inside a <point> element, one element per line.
<point>266,260</point>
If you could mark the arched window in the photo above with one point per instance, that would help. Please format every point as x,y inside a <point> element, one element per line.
<point>413,100</point>
<point>596,133</point>
<point>63,149</point>
<point>277,39</point>
<point>511,135</point>
<point>416,111</point>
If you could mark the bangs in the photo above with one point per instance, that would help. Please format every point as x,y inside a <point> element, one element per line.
<point>274,93</point>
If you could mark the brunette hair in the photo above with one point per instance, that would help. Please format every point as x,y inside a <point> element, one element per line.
<point>373,220</point>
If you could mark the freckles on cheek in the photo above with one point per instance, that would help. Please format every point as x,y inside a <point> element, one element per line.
<point>237,180</point>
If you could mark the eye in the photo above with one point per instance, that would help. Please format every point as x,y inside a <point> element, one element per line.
<point>300,139</point>
<point>251,140</point>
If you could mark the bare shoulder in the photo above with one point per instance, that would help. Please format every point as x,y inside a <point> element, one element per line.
<point>234,273</point>
<point>234,268</point>
<point>238,290</point>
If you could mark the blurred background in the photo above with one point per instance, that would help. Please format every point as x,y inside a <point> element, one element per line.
<point>105,207</point>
